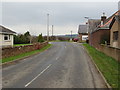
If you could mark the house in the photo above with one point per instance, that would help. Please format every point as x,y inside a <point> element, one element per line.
<point>101,34</point>
<point>83,33</point>
<point>92,25</point>
<point>107,32</point>
<point>115,31</point>
<point>6,37</point>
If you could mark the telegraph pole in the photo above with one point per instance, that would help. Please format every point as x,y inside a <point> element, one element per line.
<point>52,30</point>
<point>48,27</point>
<point>71,35</point>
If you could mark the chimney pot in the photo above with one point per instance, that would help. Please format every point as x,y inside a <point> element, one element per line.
<point>103,18</point>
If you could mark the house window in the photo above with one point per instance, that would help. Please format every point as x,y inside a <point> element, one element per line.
<point>6,37</point>
<point>115,36</point>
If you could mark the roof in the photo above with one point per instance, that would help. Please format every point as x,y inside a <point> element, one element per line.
<point>116,18</point>
<point>93,24</point>
<point>6,30</point>
<point>82,29</point>
<point>109,20</point>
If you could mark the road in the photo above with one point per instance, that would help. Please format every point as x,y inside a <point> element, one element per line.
<point>64,65</point>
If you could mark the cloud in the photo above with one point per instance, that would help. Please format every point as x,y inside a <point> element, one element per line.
<point>62,15</point>
<point>60,0</point>
<point>36,29</point>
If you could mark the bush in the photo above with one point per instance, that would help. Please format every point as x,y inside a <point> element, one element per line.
<point>40,38</point>
<point>22,38</point>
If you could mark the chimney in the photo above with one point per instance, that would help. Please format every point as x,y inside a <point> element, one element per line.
<point>103,18</point>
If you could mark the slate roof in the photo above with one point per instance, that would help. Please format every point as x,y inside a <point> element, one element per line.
<point>6,30</point>
<point>93,24</point>
<point>108,21</point>
<point>82,29</point>
<point>116,18</point>
<point>107,24</point>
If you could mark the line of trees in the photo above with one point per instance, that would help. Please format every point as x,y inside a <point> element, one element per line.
<point>27,38</point>
<point>22,38</point>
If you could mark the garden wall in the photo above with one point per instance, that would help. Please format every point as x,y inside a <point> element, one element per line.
<point>13,51</point>
<point>110,51</point>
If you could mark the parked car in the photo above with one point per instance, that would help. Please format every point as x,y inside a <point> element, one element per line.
<point>75,39</point>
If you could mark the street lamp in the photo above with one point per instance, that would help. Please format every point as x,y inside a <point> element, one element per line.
<point>87,23</point>
<point>86,17</point>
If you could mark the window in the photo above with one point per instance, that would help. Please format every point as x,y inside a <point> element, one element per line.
<point>115,36</point>
<point>6,37</point>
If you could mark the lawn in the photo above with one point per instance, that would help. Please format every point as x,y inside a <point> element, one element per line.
<point>21,44</point>
<point>107,65</point>
<point>25,54</point>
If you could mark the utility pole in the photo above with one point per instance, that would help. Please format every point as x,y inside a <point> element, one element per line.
<point>71,35</point>
<point>48,27</point>
<point>52,30</point>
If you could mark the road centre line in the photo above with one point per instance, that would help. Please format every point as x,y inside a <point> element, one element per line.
<point>38,75</point>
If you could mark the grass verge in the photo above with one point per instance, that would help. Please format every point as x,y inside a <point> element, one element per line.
<point>21,44</point>
<point>107,65</point>
<point>20,56</point>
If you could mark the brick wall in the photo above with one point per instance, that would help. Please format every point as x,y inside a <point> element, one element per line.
<point>97,36</point>
<point>95,42</point>
<point>110,51</point>
<point>13,51</point>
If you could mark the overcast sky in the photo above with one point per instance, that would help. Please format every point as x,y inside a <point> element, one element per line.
<point>65,16</point>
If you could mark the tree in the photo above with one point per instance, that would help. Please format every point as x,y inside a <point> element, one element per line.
<point>22,38</point>
<point>27,37</point>
<point>40,38</point>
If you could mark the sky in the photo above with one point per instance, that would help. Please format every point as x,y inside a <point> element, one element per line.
<point>65,16</point>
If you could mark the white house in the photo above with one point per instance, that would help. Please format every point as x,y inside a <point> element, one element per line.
<point>6,37</point>
<point>83,33</point>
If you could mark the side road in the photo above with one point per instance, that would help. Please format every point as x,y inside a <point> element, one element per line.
<point>64,65</point>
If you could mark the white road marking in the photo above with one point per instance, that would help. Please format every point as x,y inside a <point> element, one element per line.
<point>37,76</point>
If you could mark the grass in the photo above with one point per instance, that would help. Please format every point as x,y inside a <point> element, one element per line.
<point>107,65</point>
<point>20,56</point>
<point>21,44</point>
<point>55,41</point>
